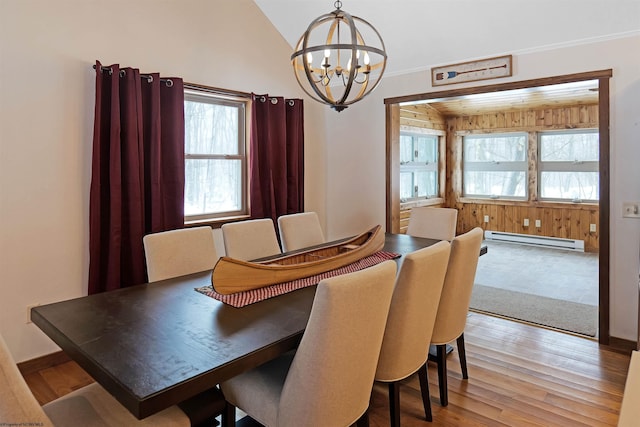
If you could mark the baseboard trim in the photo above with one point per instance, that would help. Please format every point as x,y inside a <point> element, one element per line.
<point>621,345</point>
<point>43,362</point>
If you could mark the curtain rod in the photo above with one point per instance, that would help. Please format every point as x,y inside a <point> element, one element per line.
<point>123,73</point>
<point>203,88</point>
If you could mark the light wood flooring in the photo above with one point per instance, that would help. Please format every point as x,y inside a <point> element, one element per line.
<point>519,375</point>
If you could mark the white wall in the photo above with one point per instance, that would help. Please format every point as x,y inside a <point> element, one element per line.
<point>47,49</point>
<point>356,153</point>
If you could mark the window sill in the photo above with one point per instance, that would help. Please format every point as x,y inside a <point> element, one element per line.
<point>215,222</point>
<point>541,203</point>
<point>418,203</point>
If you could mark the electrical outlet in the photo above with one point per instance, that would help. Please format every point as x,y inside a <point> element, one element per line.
<point>526,222</point>
<point>486,218</point>
<point>29,307</point>
<point>538,223</point>
<point>592,228</point>
<point>631,210</point>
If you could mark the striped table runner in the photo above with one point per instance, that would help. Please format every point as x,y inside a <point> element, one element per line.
<point>240,299</point>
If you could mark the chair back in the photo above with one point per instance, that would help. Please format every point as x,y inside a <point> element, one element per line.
<point>17,403</point>
<point>332,373</point>
<point>405,347</point>
<point>299,231</point>
<point>251,239</point>
<point>458,284</point>
<point>179,252</point>
<point>630,410</point>
<point>433,223</point>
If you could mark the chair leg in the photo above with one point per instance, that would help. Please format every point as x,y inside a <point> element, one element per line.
<point>463,356</point>
<point>394,404</point>
<point>229,415</point>
<point>424,389</point>
<point>442,373</point>
<point>363,421</point>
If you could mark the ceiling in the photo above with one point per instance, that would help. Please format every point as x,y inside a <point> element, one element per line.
<point>419,34</point>
<point>543,97</point>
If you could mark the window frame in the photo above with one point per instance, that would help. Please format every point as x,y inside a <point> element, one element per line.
<point>565,166</point>
<point>413,166</point>
<point>503,166</point>
<point>197,94</point>
<point>441,171</point>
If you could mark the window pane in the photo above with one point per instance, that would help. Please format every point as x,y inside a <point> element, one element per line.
<point>427,148</point>
<point>570,185</point>
<point>406,185</point>
<point>406,148</point>
<point>567,147</point>
<point>210,128</point>
<point>485,183</point>
<point>505,148</point>
<point>427,183</point>
<point>418,165</point>
<point>212,186</point>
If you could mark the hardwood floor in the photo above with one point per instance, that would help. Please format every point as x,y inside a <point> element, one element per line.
<point>519,375</point>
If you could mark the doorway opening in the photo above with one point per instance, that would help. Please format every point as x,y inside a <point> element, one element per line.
<point>536,105</point>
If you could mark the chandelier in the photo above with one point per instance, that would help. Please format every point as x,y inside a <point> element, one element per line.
<point>332,63</point>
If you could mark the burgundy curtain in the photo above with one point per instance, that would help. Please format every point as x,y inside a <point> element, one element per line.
<point>276,163</point>
<point>137,177</point>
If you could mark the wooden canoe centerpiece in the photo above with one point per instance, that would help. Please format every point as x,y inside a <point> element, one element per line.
<point>232,275</point>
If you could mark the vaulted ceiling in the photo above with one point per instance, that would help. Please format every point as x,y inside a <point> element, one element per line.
<point>419,34</point>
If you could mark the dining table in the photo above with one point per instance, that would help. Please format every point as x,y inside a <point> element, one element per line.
<point>157,344</point>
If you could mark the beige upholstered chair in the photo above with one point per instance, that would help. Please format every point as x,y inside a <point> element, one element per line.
<point>454,303</point>
<point>328,380</point>
<point>405,347</point>
<point>251,239</point>
<point>433,223</point>
<point>300,230</point>
<point>88,406</point>
<point>630,410</point>
<point>178,252</point>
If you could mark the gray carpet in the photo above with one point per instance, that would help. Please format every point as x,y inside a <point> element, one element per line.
<point>552,273</point>
<point>565,315</point>
<point>551,287</point>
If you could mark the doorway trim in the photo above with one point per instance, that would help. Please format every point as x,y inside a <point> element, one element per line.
<point>392,112</point>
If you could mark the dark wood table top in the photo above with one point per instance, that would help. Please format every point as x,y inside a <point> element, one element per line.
<point>155,345</point>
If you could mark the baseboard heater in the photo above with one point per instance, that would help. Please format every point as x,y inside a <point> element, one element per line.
<point>549,242</point>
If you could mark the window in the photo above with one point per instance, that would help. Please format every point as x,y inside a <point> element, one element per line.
<point>495,166</point>
<point>568,165</point>
<point>215,156</point>
<point>418,166</point>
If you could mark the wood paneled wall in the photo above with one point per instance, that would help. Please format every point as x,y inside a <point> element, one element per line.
<point>422,116</point>
<point>565,220</point>
<point>580,116</point>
